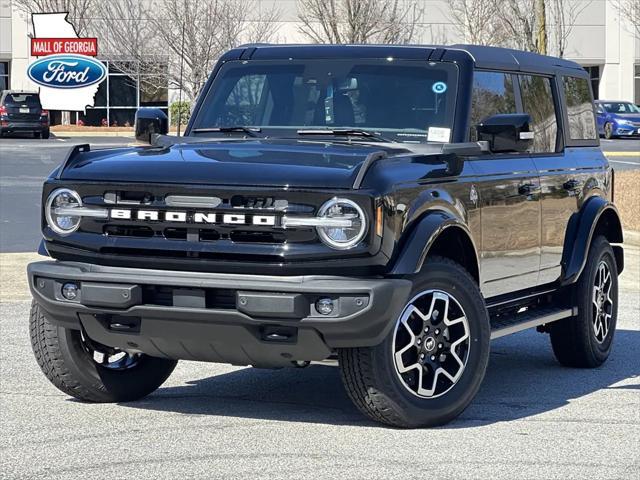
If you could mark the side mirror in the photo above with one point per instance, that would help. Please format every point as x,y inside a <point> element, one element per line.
<point>149,122</point>
<point>506,132</point>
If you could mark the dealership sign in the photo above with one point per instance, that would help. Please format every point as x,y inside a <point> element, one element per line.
<point>64,64</point>
<point>55,46</point>
<point>66,71</point>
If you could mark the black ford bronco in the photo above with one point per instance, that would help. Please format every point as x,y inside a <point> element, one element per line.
<point>391,208</point>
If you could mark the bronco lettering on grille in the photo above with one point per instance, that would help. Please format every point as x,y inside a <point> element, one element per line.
<point>196,217</point>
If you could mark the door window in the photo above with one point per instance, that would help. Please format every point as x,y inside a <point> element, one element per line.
<point>537,101</point>
<point>492,94</point>
<point>582,123</point>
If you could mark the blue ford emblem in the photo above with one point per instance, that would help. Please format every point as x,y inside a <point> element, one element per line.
<point>66,71</point>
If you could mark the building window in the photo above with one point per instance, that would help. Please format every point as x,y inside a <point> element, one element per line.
<point>637,84</point>
<point>4,75</point>
<point>594,75</point>
<point>120,95</point>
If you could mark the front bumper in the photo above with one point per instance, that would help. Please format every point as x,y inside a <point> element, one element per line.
<point>627,130</point>
<point>228,318</point>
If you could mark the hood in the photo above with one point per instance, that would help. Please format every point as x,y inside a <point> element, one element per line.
<point>634,117</point>
<point>255,162</point>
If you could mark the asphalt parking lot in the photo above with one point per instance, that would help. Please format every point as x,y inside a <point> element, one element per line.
<point>532,419</point>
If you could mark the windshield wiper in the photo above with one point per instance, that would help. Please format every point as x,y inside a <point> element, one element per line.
<point>348,132</point>
<point>248,130</point>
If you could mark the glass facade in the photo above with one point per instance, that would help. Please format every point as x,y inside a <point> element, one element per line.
<point>636,83</point>
<point>594,74</point>
<point>120,95</point>
<point>4,75</point>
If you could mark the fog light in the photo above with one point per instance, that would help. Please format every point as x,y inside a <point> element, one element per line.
<point>70,291</point>
<point>324,306</point>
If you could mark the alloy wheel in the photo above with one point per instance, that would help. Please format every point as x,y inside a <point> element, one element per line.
<point>108,357</point>
<point>602,303</point>
<point>431,344</point>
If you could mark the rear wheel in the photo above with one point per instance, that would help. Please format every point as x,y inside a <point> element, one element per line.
<point>90,371</point>
<point>585,340</point>
<point>45,134</point>
<point>432,363</point>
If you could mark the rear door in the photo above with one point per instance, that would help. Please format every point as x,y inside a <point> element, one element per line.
<point>509,194</point>
<point>23,107</point>
<point>559,182</point>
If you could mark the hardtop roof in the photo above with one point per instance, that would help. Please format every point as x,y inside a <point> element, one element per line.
<point>481,56</point>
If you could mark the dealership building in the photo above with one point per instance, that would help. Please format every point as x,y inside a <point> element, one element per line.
<point>600,40</point>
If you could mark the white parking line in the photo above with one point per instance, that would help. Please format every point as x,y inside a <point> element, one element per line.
<point>626,163</point>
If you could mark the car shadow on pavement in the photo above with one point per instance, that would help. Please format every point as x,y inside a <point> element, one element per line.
<point>523,379</point>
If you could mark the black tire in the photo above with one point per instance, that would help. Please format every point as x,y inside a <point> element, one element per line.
<point>608,131</point>
<point>45,134</point>
<point>575,340</point>
<point>373,382</point>
<point>64,360</point>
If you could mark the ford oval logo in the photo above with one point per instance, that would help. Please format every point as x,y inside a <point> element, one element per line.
<point>66,71</point>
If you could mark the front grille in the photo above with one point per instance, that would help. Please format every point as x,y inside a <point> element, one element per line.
<point>208,238</point>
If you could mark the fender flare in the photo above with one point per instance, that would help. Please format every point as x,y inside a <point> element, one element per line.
<point>580,232</point>
<point>421,238</point>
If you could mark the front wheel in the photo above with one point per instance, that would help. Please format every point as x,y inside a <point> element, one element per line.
<point>608,131</point>
<point>431,365</point>
<point>89,371</point>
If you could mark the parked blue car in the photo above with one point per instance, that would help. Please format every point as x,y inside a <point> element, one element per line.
<point>617,119</point>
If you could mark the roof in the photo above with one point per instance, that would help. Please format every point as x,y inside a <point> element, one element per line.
<point>481,56</point>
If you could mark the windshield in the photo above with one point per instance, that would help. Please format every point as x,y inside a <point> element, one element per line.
<point>16,99</point>
<point>620,107</point>
<point>404,100</point>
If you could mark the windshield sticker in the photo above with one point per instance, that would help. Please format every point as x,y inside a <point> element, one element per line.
<point>439,87</point>
<point>439,134</point>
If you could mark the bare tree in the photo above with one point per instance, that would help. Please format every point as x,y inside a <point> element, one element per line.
<point>175,43</point>
<point>630,10</point>
<point>129,42</point>
<point>476,21</point>
<point>562,17</point>
<point>359,21</point>
<point>194,33</point>
<point>518,20</point>
<point>79,10</point>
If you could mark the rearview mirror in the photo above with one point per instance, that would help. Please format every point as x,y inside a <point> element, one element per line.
<point>149,122</point>
<point>506,132</point>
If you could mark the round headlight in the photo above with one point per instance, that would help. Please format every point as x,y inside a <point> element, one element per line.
<point>58,211</point>
<point>342,223</point>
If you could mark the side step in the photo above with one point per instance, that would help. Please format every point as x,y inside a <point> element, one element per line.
<point>528,319</point>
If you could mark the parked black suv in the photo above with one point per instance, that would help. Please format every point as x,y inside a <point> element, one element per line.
<point>22,112</point>
<point>393,208</point>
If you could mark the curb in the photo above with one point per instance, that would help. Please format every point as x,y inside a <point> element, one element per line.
<point>631,238</point>
<point>61,134</point>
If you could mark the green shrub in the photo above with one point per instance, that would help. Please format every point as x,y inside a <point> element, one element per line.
<point>184,109</point>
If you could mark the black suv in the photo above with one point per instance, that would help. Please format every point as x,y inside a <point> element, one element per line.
<point>22,112</point>
<point>391,208</point>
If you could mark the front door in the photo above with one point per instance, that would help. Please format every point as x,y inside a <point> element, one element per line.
<point>508,190</point>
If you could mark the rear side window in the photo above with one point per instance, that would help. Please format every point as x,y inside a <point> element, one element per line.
<point>582,122</point>
<point>492,94</point>
<point>537,101</point>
